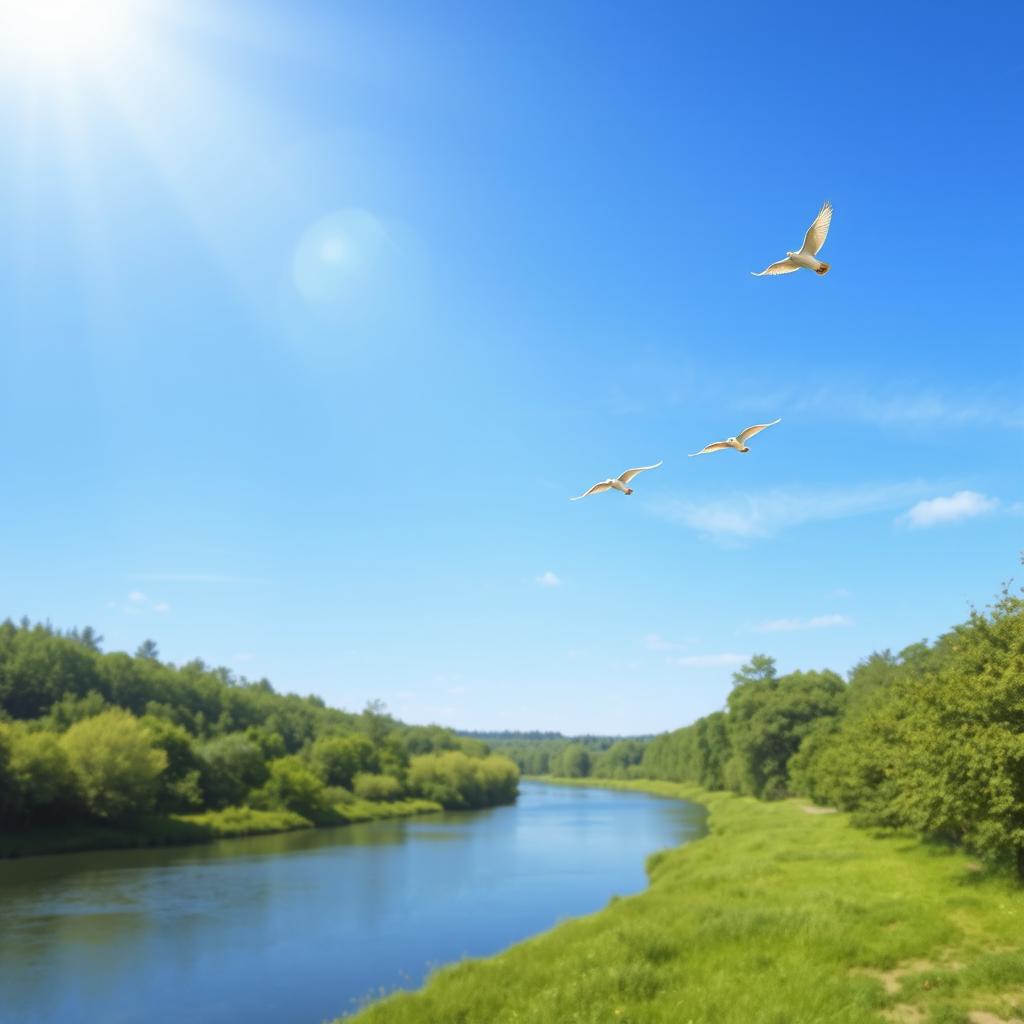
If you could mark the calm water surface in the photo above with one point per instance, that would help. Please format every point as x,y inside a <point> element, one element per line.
<point>302,927</point>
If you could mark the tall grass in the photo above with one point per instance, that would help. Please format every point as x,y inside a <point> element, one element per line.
<point>776,917</point>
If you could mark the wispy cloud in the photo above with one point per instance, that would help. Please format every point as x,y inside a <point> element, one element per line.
<point>959,506</point>
<point>192,577</point>
<point>794,625</point>
<point>548,579</point>
<point>902,408</point>
<point>654,642</point>
<point>745,516</point>
<point>709,660</point>
<point>138,603</point>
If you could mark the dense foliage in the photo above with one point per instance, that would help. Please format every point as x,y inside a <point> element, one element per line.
<point>931,739</point>
<point>89,737</point>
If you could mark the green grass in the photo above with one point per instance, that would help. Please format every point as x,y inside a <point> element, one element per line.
<point>181,829</point>
<point>776,917</point>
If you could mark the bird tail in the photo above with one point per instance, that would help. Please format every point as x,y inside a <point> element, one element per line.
<point>823,269</point>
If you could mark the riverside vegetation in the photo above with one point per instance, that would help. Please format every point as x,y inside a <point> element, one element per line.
<point>100,750</point>
<point>930,740</point>
<point>776,917</point>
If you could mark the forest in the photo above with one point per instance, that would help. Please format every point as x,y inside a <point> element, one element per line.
<point>97,739</point>
<point>551,753</point>
<point>929,740</point>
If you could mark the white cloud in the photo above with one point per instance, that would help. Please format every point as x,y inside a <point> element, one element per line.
<point>962,505</point>
<point>549,579</point>
<point>139,603</point>
<point>794,625</point>
<point>744,516</point>
<point>709,660</point>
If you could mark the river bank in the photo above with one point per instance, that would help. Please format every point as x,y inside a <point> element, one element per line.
<point>208,827</point>
<point>777,916</point>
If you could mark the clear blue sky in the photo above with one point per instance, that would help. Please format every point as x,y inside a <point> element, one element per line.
<point>314,315</point>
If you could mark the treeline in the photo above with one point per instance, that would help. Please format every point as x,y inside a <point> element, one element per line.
<point>551,753</point>
<point>930,739</point>
<point>92,737</point>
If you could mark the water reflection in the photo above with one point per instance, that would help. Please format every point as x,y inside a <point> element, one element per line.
<point>301,926</point>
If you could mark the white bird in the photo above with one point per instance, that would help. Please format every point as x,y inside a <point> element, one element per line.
<point>813,241</point>
<point>739,442</point>
<point>619,484</point>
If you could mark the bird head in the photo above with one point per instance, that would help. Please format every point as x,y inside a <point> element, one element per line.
<point>629,490</point>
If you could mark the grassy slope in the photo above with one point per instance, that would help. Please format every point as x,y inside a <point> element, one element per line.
<point>776,917</point>
<point>180,829</point>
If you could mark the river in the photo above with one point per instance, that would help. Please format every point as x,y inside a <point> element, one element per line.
<point>305,926</point>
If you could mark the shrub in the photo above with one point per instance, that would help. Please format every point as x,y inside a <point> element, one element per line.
<point>453,779</point>
<point>115,765</point>
<point>368,786</point>
<point>292,786</point>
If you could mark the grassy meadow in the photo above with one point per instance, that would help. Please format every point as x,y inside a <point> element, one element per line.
<point>779,916</point>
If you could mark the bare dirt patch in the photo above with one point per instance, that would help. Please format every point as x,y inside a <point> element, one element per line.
<point>892,979</point>
<point>904,1013</point>
<point>811,809</point>
<point>984,1017</point>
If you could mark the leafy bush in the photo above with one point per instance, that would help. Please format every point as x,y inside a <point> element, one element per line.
<point>368,786</point>
<point>453,779</point>
<point>115,766</point>
<point>292,786</point>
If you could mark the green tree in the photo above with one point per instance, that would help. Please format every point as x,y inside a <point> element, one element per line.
<point>233,765</point>
<point>960,734</point>
<point>454,779</point>
<point>42,774</point>
<point>368,786</point>
<point>574,762</point>
<point>180,788</point>
<point>338,759</point>
<point>115,765</point>
<point>292,786</point>
<point>768,720</point>
<point>148,651</point>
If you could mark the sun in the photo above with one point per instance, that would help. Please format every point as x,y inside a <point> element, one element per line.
<point>66,35</point>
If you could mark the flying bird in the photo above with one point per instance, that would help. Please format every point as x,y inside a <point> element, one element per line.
<point>739,442</point>
<point>619,484</point>
<point>813,241</point>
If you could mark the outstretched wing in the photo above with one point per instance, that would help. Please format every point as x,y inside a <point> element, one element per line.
<point>786,266</point>
<point>818,231</point>
<point>596,489</point>
<point>716,446</point>
<point>630,473</point>
<point>745,435</point>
